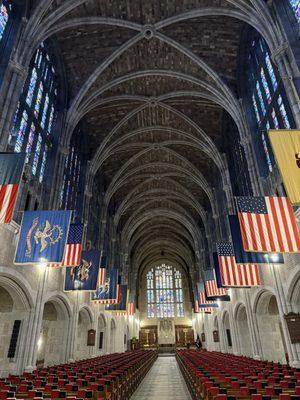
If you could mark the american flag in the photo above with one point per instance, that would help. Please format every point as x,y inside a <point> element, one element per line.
<point>205,305</point>
<point>102,271</point>
<point>268,224</point>
<point>233,274</point>
<point>73,248</point>
<point>130,308</point>
<point>211,287</point>
<point>11,169</point>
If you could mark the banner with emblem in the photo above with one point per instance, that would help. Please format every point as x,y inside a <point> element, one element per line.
<point>43,237</point>
<point>85,276</point>
<point>108,292</point>
<point>121,306</point>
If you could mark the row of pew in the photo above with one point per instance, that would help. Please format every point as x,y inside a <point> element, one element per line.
<point>219,376</point>
<point>110,377</point>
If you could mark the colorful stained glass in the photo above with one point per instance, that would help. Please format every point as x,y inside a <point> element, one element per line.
<point>265,85</point>
<point>31,87</point>
<point>37,153</point>
<point>30,142</point>
<point>45,111</point>
<point>38,102</point>
<point>283,113</point>
<point>21,132</point>
<point>255,109</point>
<point>4,15</point>
<point>267,154</point>
<point>296,8</point>
<point>51,119</point>
<point>271,71</point>
<point>164,292</point>
<point>260,98</point>
<point>43,165</point>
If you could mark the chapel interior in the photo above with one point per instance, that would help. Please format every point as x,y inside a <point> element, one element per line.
<point>147,120</point>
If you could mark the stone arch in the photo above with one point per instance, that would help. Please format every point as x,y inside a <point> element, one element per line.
<point>101,334</point>
<point>52,340</point>
<point>16,301</point>
<point>226,330</point>
<point>112,335</point>
<point>243,331</point>
<point>269,326</point>
<point>293,292</point>
<point>84,323</point>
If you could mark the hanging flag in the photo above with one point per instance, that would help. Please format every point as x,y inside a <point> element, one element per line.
<point>247,257</point>
<point>268,224</point>
<point>286,148</point>
<point>108,293</point>
<point>43,237</point>
<point>233,274</point>
<point>131,308</point>
<point>102,271</point>
<point>84,277</point>
<point>211,288</point>
<point>204,304</point>
<point>73,248</point>
<point>11,169</point>
<point>121,305</point>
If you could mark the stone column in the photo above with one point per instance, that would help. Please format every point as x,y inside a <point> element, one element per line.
<point>246,143</point>
<point>73,329</point>
<point>11,89</point>
<point>234,334</point>
<point>61,156</point>
<point>36,322</point>
<point>254,335</point>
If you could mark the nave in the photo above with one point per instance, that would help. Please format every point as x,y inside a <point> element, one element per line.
<point>150,199</point>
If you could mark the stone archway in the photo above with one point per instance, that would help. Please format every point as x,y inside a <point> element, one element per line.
<point>227,332</point>
<point>216,328</point>
<point>112,336</point>
<point>15,305</point>
<point>243,331</point>
<point>101,335</point>
<point>52,342</point>
<point>269,327</point>
<point>84,323</point>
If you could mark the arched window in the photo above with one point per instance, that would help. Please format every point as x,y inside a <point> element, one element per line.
<point>267,99</point>
<point>164,292</point>
<point>295,4</point>
<point>5,10</point>
<point>36,112</point>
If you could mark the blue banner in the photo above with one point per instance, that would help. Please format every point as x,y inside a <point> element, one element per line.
<point>122,301</point>
<point>246,257</point>
<point>109,290</point>
<point>43,237</point>
<point>85,276</point>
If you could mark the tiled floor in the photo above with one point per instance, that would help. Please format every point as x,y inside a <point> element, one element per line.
<point>163,382</point>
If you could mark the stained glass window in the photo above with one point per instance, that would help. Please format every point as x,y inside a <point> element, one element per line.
<point>164,292</point>
<point>267,99</point>
<point>296,8</point>
<point>5,9</point>
<point>35,117</point>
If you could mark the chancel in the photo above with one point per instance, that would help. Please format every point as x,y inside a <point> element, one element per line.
<point>149,199</point>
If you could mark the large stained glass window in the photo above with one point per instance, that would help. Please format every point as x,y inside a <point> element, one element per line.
<point>267,99</point>
<point>5,9</point>
<point>35,116</point>
<point>164,292</point>
<point>295,4</point>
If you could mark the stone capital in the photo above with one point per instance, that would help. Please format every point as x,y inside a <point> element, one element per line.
<point>18,68</point>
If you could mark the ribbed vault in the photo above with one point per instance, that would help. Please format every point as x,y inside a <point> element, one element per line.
<point>150,83</point>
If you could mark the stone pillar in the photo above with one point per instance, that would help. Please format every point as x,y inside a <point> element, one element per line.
<point>246,143</point>
<point>254,335</point>
<point>222,335</point>
<point>234,334</point>
<point>73,330</point>
<point>61,156</point>
<point>294,359</point>
<point>10,92</point>
<point>36,322</point>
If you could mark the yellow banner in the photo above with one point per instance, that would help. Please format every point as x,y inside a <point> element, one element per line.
<point>286,148</point>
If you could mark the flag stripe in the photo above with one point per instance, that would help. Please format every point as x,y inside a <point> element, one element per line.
<point>8,197</point>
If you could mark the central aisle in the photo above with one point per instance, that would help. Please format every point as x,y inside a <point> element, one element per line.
<point>164,381</point>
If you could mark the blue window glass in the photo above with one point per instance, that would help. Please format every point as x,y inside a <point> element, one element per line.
<point>295,4</point>
<point>164,292</point>
<point>35,117</point>
<point>5,9</point>
<point>267,99</point>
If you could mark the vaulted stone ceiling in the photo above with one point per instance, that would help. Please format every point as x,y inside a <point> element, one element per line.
<point>150,81</point>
